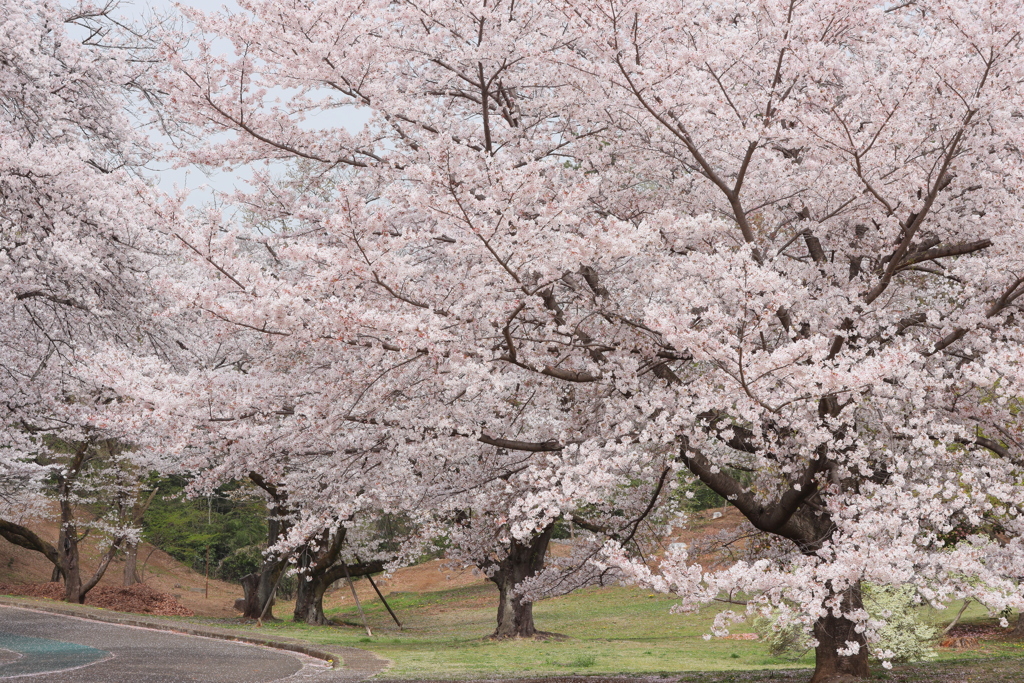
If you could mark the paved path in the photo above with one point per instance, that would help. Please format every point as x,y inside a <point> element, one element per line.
<point>37,645</point>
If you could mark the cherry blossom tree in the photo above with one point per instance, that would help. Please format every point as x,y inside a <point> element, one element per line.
<point>777,239</point>
<point>76,242</point>
<point>500,512</point>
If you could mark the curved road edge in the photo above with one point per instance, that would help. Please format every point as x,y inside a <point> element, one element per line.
<point>355,664</point>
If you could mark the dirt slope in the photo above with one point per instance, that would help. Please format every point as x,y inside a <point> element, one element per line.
<point>159,570</point>
<point>165,574</point>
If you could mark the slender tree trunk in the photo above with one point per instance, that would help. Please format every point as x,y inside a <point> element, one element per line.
<point>837,632</point>
<point>69,561</point>
<point>135,513</point>
<point>67,546</point>
<point>515,615</point>
<point>1019,631</point>
<point>131,559</point>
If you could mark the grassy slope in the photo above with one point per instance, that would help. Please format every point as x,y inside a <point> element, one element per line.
<point>610,631</point>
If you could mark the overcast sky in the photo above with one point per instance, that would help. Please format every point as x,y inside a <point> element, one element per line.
<point>137,11</point>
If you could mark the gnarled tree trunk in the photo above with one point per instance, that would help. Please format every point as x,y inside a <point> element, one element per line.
<point>837,632</point>
<point>258,588</point>
<point>515,615</point>
<point>309,601</point>
<point>320,569</point>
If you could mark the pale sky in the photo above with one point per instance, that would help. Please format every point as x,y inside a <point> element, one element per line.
<point>140,10</point>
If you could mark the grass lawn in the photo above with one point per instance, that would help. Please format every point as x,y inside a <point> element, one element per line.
<point>609,631</point>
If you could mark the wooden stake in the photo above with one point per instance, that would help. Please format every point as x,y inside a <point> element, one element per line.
<point>381,596</point>
<point>354,595</point>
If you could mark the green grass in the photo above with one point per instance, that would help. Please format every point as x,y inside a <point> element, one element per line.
<point>609,631</point>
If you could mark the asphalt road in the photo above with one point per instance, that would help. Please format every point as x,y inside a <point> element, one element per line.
<point>37,646</point>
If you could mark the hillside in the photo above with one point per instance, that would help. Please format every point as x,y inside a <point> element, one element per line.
<point>158,569</point>
<point>165,574</point>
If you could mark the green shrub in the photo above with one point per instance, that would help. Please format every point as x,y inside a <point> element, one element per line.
<point>790,641</point>
<point>239,562</point>
<point>903,638</point>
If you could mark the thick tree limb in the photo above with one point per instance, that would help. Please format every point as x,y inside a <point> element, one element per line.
<point>942,252</point>
<point>513,445</point>
<point>26,538</point>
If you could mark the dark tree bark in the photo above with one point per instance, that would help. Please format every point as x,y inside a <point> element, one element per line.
<point>835,632</point>
<point>320,569</point>
<point>1019,631</point>
<point>315,577</point>
<point>258,587</point>
<point>515,615</point>
<point>131,564</point>
<point>309,602</point>
<point>26,538</point>
<point>68,548</point>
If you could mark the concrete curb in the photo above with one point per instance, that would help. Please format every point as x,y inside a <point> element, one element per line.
<point>353,663</point>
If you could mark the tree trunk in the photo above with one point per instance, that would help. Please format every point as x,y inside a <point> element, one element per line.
<point>309,601</point>
<point>75,589</point>
<point>259,588</point>
<point>515,615</point>
<point>69,563</point>
<point>1019,631</point>
<point>835,632</point>
<point>131,558</point>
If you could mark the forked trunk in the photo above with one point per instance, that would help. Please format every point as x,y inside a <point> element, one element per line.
<point>515,615</point>
<point>837,632</point>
